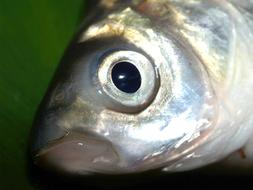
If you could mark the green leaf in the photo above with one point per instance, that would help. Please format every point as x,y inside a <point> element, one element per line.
<point>33,37</point>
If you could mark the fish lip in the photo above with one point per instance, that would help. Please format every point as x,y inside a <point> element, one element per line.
<point>79,155</point>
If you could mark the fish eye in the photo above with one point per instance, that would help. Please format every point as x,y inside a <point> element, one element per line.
<point>128,78</point>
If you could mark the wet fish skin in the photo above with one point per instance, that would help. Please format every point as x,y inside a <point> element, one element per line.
<point>193,107</point>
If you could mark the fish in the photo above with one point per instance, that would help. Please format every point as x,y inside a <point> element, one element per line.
<point>151,85</point>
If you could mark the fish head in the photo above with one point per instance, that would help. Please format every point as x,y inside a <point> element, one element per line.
<point>128,97</point>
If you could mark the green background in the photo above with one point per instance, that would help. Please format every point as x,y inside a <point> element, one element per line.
<point>33,37</point>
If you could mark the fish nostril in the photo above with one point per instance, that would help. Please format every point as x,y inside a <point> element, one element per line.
<point>126,77</point>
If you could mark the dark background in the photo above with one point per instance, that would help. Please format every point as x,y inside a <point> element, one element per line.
<point>33,37</point>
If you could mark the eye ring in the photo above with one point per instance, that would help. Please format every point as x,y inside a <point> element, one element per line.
<point>149,79</point>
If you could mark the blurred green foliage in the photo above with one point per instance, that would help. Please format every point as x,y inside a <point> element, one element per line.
<point>33,36</point>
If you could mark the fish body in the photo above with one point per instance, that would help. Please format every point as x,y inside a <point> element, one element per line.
<point>187,105</point>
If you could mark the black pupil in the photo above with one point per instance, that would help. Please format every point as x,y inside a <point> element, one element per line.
<point>126,77</point>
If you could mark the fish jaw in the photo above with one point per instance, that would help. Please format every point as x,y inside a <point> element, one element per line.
<point>79,155</point>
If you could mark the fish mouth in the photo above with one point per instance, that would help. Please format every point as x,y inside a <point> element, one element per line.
<point>79,155</point>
